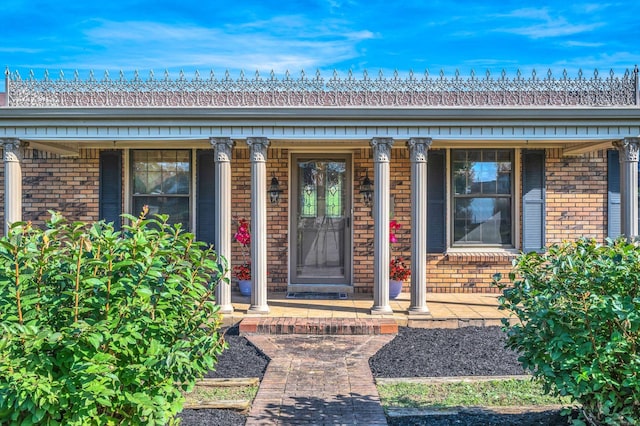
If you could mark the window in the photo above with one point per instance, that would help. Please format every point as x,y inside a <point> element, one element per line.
<point>309,193</point>
<point>324,180</point>
<point>161,179</point>
<point>482,185</point>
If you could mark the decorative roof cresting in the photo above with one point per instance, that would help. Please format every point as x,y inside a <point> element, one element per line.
<point>380,91</point>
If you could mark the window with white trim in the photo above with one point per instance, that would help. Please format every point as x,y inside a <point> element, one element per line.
<point>161,179</point>
<point>482,197</point>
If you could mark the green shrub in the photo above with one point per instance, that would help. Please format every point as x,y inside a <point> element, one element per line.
<point>104,327</point>
<point>579,329</point>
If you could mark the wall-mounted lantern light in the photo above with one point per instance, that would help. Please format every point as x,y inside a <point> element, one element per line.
<point>366,189</point>
<point>274,190</point>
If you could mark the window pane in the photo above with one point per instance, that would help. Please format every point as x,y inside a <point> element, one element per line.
<point>176,207</point>
<point>308,175</point>
<point>504,155</point>
<point>482,220</point>
<point>459,155</point>
<point>334,195</point>
<point>504,178</point>
<point>309,202</point>
<point>460,178</point>
<point>176,183</point>
<point>473,155</point>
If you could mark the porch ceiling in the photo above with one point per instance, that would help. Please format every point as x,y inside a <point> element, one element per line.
<point>66,130</point>
<point>68,148</point>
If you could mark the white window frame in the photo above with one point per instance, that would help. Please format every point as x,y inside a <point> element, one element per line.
<point>128,193</point>
<point>516,205</point>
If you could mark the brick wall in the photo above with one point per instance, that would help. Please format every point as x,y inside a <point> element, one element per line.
<point>362,225</point>
<point>278,221</point>
<point>576,196</point>
<point>277,215</point>
<point>65,184</point>
<point>465,272</point>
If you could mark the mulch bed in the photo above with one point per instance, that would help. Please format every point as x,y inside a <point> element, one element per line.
<point>467,351</point>
<point>240,359</point>
<point>544,418</point>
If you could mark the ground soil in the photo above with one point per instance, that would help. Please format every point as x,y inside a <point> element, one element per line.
<point>466,351</point>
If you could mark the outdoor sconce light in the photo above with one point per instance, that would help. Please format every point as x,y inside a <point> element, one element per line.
<point>274,190</point>
<point>366,189</point>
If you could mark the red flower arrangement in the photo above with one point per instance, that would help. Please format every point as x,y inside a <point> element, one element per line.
<point>243,271</point>
<point>398,269</point>
<point>243,236</point>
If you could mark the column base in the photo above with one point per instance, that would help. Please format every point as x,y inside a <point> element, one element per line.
<point>381,310</point>
<point>419,311</point>
<point>226,309</point>
<point>258,309</point>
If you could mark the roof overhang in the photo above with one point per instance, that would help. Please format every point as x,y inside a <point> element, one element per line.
<point>65,130</point>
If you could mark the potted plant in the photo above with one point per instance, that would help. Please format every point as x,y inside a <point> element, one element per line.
<point>242,272</point>
<point>398,269</point>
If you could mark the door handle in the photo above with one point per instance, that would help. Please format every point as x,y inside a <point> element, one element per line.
<point>348,221</point>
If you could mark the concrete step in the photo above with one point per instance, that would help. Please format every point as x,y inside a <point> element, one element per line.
<point>318,326</point>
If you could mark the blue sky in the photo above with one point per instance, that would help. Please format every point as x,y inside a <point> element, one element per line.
<point>323,35</point>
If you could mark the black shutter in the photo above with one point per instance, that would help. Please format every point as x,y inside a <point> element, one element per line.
<point>205,196</point>
<point>533,200</point>
<point>110,204</point>
<point>614,228</point>
<point>436,201</point>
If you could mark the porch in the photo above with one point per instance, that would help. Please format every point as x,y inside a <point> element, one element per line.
<point>316,315</point>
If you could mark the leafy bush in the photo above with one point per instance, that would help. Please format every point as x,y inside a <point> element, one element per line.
<point>104,327</point>
<point>579,329</point>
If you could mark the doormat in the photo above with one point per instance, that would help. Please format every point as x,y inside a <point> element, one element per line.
<point>316,295</point>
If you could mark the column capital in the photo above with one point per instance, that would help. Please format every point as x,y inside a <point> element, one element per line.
<point>418,148</point>
<point>258,147</point>
<point>222,148</point>
<point>629,148</point>
<point>11,148</point>
<point>381,149</point>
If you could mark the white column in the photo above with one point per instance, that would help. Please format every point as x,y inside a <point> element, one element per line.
<point>222,214</point>
<point>258,153</point>
<point>381,156</point>
<point>12,182</point>
<point>418,148</point>
<point>629,149</point>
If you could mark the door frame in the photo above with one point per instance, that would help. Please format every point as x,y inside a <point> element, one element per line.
<point>320,286</point>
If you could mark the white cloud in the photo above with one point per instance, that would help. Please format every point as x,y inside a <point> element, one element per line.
<point>575,43</point>
<point>280,43</point>
<point>542,24</point>
<point>27,50</point>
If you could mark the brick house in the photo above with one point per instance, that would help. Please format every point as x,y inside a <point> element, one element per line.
<point>474,169</point>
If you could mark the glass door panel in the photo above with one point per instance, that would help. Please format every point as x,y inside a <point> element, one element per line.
<point>321,221</point>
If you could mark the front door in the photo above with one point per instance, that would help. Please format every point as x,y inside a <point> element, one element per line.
<point>321,221</point>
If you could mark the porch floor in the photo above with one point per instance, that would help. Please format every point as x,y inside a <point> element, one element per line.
<point>447,310</point>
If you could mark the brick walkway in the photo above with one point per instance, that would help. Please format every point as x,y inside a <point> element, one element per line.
<point>318,380</point>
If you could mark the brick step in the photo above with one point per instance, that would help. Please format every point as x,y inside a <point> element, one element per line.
<point>318,326</point>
